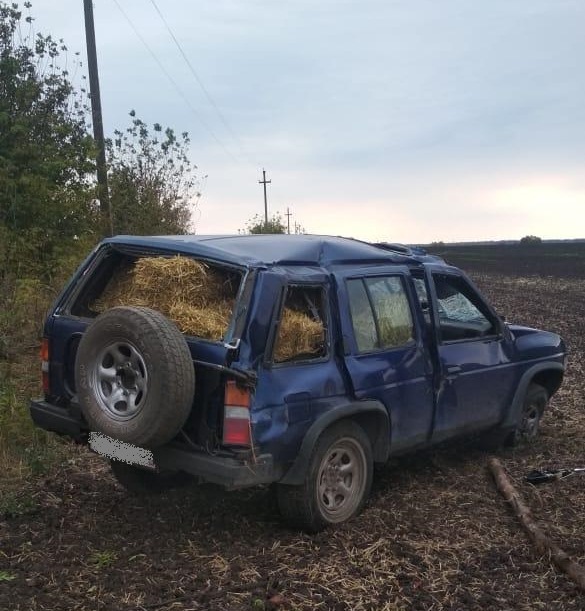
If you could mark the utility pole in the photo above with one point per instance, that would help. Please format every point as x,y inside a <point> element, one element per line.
<point>98,126</point>
<point>265,182</point>
<point>288,215</point>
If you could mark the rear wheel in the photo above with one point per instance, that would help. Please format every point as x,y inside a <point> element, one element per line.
<point>142,482</point>
<point>337,483</point>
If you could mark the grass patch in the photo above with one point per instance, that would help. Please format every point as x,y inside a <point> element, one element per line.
<point>103,560</point>
<point>15,504</point>
<point>28,286</point>
<point>6,576</point>
<point>24,449</point>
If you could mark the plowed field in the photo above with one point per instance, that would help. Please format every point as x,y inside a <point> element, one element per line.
<point>435,534</point>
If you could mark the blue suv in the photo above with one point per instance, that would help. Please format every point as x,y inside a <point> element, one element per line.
<point>393,350</point>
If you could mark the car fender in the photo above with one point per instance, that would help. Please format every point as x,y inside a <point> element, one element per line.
<point>513,414</point>
<point>380,435</point>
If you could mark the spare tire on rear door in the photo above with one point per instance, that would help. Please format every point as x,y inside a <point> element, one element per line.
<point>135,377</point>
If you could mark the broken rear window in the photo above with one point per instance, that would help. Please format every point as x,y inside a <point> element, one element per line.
<point>197,297</point>
<point>302,330</point>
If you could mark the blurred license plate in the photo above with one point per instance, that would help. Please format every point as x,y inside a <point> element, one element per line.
<point>120,450</point>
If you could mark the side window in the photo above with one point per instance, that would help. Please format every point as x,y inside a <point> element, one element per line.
<point>462,315</point>
<point>302,330</point>
<point>380,312</point>
<point>362,317</point>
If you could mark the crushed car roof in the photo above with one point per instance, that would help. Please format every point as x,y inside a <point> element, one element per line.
<point>279,249</point>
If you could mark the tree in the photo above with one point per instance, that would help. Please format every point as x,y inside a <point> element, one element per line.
<point>48,210</point>
<point>530,240</point>
<point>46,150</point>
<point>152,182</point>
<point>257,224</point>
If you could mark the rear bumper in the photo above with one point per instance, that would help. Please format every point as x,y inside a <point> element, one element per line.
<point>227,472</point>
<point>61,420</point>
<point>231,473</point>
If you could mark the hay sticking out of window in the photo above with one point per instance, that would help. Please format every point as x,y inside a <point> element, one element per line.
<point>200,299</point>
<point>197,298</point>
<point>298,335</point>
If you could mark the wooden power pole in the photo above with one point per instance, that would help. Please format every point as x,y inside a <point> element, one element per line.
<point>265,182</point>
<point>98,126</point>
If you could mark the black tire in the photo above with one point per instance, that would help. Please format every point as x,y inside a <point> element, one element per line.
<point>143,483</point>
<point>528,425</point>
<point>329,497</point>
<point>135,377</point>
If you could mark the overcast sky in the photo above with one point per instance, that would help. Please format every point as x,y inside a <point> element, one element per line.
<point>398,120</point>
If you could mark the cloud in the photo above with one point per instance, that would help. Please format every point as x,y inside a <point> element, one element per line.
<point>435,117</point>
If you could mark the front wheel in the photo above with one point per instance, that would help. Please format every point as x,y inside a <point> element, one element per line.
<point>528,424</point>
<point>337,483</point>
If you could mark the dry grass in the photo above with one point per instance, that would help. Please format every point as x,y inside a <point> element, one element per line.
<point>298,334</point>
<point>196,298</point>
<point>394,323</point>
<point>199,300</point>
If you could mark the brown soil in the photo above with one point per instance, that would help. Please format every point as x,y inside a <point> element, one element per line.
<point>434,535</point>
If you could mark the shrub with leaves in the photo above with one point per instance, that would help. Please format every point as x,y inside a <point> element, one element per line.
<point>153,187</point>
<point>45,148</point>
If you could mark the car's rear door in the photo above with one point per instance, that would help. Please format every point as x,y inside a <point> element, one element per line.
<point>385,351</point>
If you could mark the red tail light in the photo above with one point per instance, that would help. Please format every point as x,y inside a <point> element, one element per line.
<point>45,365</point>
<point>236,416</point>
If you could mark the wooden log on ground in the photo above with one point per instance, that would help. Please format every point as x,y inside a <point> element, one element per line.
<point>542,543</point>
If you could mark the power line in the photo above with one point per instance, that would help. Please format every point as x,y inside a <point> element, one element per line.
<point>174,83</point>
<point>199,81</point>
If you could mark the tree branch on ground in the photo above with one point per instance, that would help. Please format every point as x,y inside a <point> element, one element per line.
<point>542,543</point>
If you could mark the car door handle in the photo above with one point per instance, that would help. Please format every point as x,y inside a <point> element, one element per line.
<point>453,371</point>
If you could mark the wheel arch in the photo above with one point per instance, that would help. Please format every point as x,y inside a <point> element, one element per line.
<point>547,375</point>
<point>373,418</point>
<point>549,379</point>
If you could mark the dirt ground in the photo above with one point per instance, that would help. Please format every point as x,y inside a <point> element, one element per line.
<point>435,534</point>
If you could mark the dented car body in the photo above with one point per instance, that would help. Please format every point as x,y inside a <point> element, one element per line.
<point>402,352</point>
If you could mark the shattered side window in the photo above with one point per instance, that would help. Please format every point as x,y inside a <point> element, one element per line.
<point>380,313</point>
<point>302,332</point>
<point>421,290</point>
<point>460,310</point>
